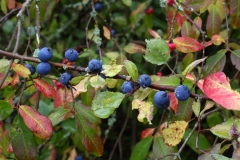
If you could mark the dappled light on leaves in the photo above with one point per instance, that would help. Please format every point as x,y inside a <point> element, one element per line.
<point>174,133</point>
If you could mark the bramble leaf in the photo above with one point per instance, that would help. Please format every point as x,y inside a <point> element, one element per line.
<point>174,133</point>
<point>105,103</point>
<point>90,140</point>
<point>132,48</point>
<point>145,110</point>
<point>58,115</point>
<point>23,143</point>
<point>160,149</point>
<point>141,149</point>
<point>187,44</point>
<point>157,51</point>
<point>5,109</point>
<point>217,87</point>
<point>40,125</point>
<point>47,90</point>
<point>131,69</point>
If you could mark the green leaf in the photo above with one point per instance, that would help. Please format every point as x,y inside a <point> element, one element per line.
<point>192,65</point>
<point>207,156</point>
<point>173,81</point>
<point>141,93</point>
<point>213,24</point>
<point>235,58</point>
<point>58,115</point>
<point>222,130</point>
<point>196,107</point>
<point>4,6</point>
<point>76,80</point>
<point>220,157</point>
<point>87,97</point>
<point>5,109</point>
<point>3,65</point>
<point>105,103</point>
<point>4,142</point>
<point>111,83</point>
<point>87,113</point>
<point>23,142</point>
<point>90,140</point>
<point>141,149</point>
<point>132,48</point>
<point>213,63</point>
<point>127,2</point>
<point>184,111</point>
<point>111,70</point>
<point>157,51</point>
<point>160,149</point>
<point>97,81</point>
<point>131,69</point>
<point>202,141</point>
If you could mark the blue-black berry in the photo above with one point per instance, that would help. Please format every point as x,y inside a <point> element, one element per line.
<point>31,68</point>
<point>95,66</point>
<point>98,6</point>
<point>144,80</point>
<point>45,54</point>
<point>182,93</point>
<point>78,158</point>
<point>127,87</point>
<point>71,55</point>
<point>43,68</point>
<point>161,100</point>
<point>65,78</point>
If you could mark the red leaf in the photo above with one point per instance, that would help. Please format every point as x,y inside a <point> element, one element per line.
<point>217,39</point>
<point>147,133</point>
<point>60,98</point>
<point>33,98</point>
<point>15,79</point>
<point>217,87</point>
<point>7,80</point>
<point>47,90</point>
<point>134,48</point>
<point>214,21</point>
<point>21,70</point>
<point>173,102</point>
<point>106,32</point>
<point>11,4</point>
<point>187,44</point>
<point>200,84</point>
<point>153,33</point>
<point>40,125</point>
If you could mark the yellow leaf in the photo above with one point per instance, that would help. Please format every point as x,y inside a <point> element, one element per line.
<point>21,70</point>
<point>145,110</point>
<point>174,133</point>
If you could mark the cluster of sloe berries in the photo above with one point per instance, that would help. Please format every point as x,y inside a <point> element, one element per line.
<point>161,98</point>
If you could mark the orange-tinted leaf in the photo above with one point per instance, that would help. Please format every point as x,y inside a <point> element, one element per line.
<point>7,80</point>
<point>217,87</point>
<point>217,39</point>
<point>187,30</point>
<point>208,43</point>
<point>173,102</point>
<point>21,70</point>
<point>134,48</point>
<point>11,4</point>
<point>147,132</point>
<point>15,79</point>
<point>33,98</point>
<point>197,21</point>
<point>234,20</point>
<point>200,84</point>
<point>213,22</point>
<point>153,33</point>
<point>187,44</point>
<point>106,32</point>
<point>234,7</point>
<point>46,89</point>
<point>40,125</point>
<point>80,88</point>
